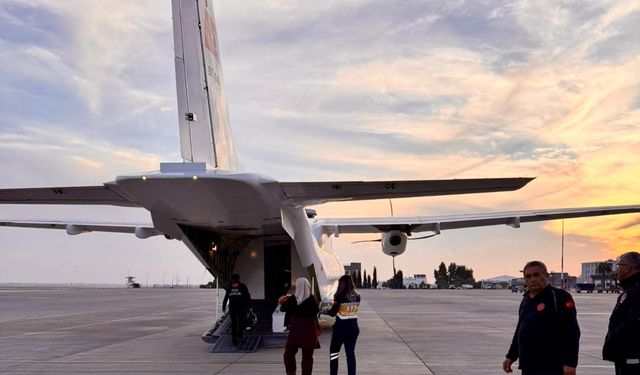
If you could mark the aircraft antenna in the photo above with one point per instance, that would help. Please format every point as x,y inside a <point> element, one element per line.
<point>391,206</point>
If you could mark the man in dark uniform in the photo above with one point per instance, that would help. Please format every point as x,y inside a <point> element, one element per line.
<point>239,300</point>
<point>622,344</point>
<point>547,335</point>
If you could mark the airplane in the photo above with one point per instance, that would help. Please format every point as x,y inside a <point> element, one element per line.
<point>248,223</point>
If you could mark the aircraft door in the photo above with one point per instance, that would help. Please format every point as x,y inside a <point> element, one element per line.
<point>277,272</point>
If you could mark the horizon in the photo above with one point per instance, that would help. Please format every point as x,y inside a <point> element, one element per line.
<point>325,92</point>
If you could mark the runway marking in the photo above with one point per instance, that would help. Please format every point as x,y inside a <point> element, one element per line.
<point>52,316</point>
<point>593,313</point>
<point>214,361</point>
<point>404,342</point>
<point>101,323</point>
<point>233,363</point>
<point>438,313</point>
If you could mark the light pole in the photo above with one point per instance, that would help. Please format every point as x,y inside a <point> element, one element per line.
<point>562,259</point>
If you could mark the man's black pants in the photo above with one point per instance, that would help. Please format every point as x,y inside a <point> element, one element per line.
<point>237,326</point>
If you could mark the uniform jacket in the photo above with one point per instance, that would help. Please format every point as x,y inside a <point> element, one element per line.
<point>302,320</point>
<point>345,307</point>
<point>623,338</point>
<point>238,297</point>
<point>547,335</point>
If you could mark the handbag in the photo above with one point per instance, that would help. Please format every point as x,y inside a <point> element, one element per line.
<point>251,319</point>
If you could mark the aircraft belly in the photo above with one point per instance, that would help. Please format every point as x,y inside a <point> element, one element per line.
<point>216,203</point>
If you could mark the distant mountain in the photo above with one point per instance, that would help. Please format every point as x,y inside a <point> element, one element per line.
<point>501,278</point>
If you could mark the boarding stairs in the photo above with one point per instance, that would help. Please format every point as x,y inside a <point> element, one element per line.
<point>261,335</point>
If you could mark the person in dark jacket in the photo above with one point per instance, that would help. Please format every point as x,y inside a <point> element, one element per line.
<point>622,343</point>
<point>345,330</point>
<point>237,294</point>
<point>302,318</point>
<point>547,336</point>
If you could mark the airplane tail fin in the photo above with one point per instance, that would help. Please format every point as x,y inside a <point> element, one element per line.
<point>205,135</point>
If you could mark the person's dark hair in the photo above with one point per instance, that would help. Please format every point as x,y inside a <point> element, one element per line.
<point>235,277</point>
<point>536,263</point>
<point>345,286</point>
<point>633,259</point>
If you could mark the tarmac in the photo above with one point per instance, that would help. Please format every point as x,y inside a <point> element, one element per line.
<point>56,330</point>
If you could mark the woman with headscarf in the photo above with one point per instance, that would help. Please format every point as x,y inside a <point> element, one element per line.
<point>302,317</point>
<point>345,330</point>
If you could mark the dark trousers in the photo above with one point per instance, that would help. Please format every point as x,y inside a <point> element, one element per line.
<point>344,332</point>
<point>290,359</point>
<point>624,369</point>
<point>237,326</point>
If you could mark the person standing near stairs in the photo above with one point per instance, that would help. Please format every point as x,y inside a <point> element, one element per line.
<point>302,312</point>
<point>237,294</point>
<point>345,330</point>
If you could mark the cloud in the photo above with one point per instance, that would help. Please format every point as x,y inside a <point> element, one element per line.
<point>110,64</point>
<point>58,155</point>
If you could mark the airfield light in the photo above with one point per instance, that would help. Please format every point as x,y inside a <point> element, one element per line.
<point>195,177</point>
<point>144,178</point>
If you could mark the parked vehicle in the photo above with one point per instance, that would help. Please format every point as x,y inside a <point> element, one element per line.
<point>518,289</point>
<point>585,287</point>
<point>609,289</point>
<point>517,285</point>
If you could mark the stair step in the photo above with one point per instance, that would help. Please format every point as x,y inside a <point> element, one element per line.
<point>249,344</point>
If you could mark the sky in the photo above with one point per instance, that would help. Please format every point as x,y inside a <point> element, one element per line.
<point>323,91</point>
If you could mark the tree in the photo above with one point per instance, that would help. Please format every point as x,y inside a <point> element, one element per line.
<point>364,279</point>
<point>369,282</point>
<point>398,280</point>
<point>394,282</point>
<point>358,280</point>
<point>375,277</point>
<point>441,277</point>
<point>604,268</point>
<point>463,275</point>
<point>453,276</point>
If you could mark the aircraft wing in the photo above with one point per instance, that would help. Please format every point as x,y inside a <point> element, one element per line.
<point>78,227</point>
<point>311,193</point>
<point>108,194</point>
<point>446,222</point>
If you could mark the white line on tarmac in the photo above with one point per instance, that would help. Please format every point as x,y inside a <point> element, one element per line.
<point>102,323</point>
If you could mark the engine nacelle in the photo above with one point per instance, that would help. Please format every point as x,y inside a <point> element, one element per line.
<point>394,242</point>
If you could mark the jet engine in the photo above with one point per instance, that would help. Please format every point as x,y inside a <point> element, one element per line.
<point>394,242</point>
